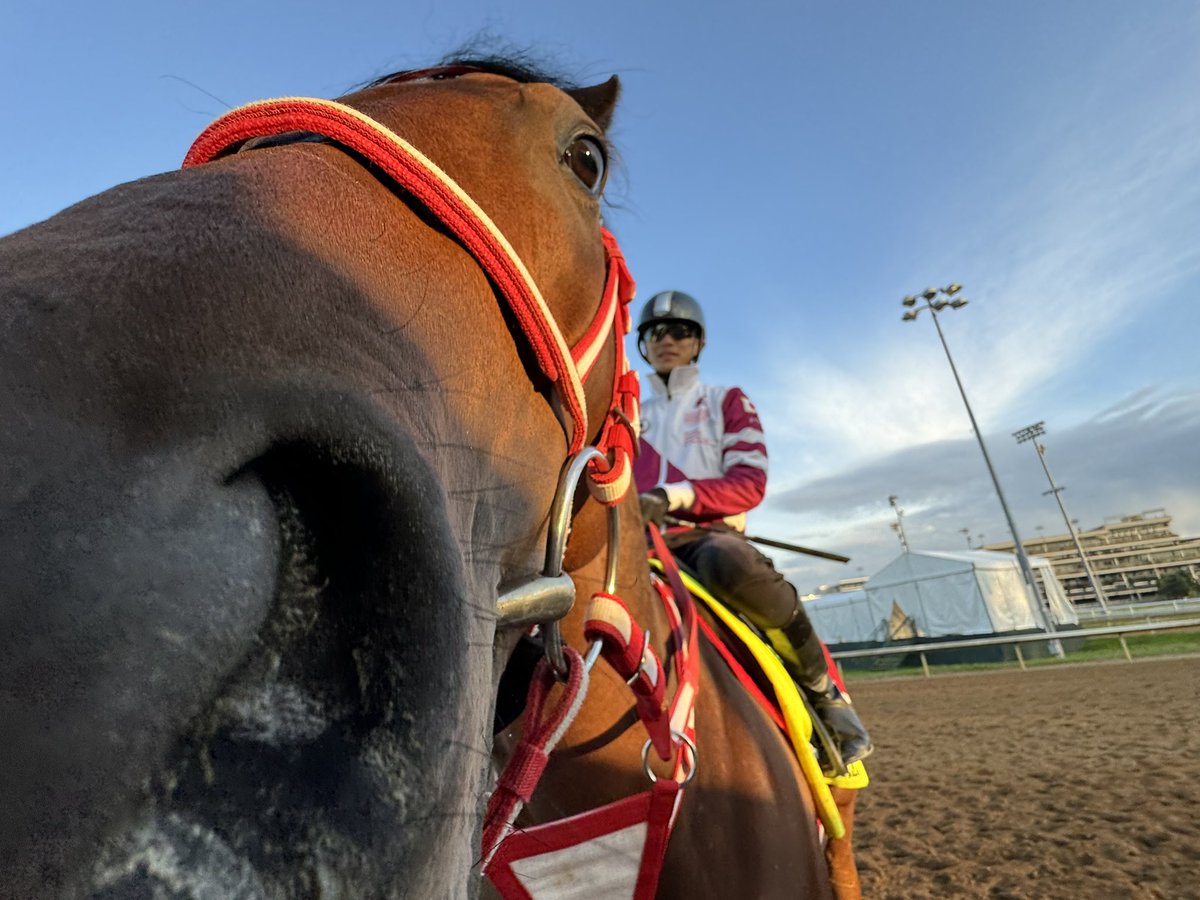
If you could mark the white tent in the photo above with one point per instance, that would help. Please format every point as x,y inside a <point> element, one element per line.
<point>943,593</point>
<point>848,616</point>
<point>845,616</point>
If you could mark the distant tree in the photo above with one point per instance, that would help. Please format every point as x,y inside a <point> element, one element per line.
<point>1176,584</point>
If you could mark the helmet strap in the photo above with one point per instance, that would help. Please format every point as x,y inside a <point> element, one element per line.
<point>641,345</point>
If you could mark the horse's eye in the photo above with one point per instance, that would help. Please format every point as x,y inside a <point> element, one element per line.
<point>585,157</point>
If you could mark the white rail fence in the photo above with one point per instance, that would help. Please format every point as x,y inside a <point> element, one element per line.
<point>1149,611</point>
<point>1016,640</point>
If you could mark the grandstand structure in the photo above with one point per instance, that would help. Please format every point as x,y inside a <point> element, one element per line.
<point>1128,554</point>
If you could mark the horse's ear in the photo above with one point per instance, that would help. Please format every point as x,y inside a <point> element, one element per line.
<point>599,100</point>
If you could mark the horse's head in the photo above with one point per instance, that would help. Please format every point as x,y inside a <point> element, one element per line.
<point>272,450</point>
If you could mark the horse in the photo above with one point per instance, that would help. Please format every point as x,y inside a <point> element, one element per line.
<point>274,454</point>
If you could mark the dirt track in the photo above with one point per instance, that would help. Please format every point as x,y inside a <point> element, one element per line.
<point>1079,781</point>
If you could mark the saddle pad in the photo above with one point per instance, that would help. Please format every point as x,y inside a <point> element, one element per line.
<point>795,714</point>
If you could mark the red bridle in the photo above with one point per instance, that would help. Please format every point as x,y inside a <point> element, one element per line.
<point>565,367</point>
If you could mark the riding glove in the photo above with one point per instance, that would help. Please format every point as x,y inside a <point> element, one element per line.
<point>654,506</point>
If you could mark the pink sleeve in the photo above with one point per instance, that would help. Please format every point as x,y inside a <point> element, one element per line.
<point>744,459</point>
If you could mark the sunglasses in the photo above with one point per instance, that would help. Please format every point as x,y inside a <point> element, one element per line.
<point>678,331</point>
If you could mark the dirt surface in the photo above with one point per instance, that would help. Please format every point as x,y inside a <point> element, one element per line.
<point>1080,781</point>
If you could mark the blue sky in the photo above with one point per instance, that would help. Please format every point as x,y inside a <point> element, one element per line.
<point>798,167</point>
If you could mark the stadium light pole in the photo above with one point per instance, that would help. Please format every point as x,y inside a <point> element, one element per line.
<point>937,299</point>
<point>1031,433</point>
<point>898,525</point>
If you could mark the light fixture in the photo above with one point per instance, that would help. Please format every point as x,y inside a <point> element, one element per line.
<point>910,300</point>
<point>1027,434</point>
<point>910,315</point>
<point>959,302</point>
<point>1031,433</point>
<point>940,304</point>
<point>929,293</point>
<point>951,290</point>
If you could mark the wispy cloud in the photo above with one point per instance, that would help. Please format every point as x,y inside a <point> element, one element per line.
<point>1076,231</point>
<point>1137,454</point>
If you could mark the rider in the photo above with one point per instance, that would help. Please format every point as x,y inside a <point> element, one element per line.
<point>703,459</point>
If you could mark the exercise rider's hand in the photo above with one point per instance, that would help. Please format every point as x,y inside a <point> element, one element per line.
<point>654,506</point>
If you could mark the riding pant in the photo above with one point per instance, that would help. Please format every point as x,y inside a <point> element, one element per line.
<point>736,572</point>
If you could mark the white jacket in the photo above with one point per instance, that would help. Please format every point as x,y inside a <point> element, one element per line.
<point>704,446</point>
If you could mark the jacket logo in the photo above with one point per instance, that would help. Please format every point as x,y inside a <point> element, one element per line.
<point>697,414</point>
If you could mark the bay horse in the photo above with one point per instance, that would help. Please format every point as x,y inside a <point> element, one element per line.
<point>272,452</point>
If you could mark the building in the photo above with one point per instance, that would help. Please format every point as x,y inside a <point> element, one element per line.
<point>1128,554</point>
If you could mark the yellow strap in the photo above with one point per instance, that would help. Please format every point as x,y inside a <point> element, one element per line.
<point>795,716</point>
<point>856,777</point>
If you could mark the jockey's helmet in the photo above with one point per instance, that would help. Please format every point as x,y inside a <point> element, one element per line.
<point>670,306</point>
<point>670,310</point>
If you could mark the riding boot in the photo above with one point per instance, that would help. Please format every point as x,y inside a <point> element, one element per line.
<point>831,705</point>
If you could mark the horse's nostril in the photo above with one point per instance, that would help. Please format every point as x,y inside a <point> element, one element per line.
<point>317,729</point>
<point>338,553</point>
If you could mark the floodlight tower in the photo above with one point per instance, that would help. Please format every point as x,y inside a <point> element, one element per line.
<point>898,525</point>
<point>1031,433</point>
<point>937,299</point>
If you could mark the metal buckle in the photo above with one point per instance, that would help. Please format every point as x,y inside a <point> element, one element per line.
<point>546,598</point>
<point>691,770</point>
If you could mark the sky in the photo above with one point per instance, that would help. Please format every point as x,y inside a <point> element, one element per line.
<point>798,167</point>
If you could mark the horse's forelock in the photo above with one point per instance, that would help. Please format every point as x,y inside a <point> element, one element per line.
<point>515,64</point>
